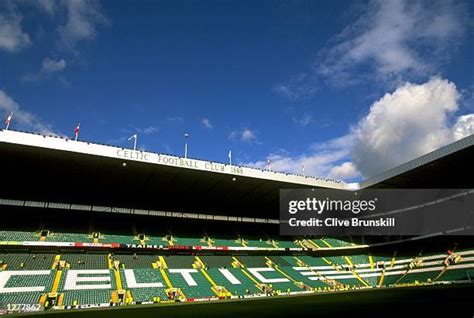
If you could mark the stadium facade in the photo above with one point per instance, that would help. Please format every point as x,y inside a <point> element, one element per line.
<point>91,225</point>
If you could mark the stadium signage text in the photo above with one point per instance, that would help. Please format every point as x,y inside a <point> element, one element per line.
<point>177,162</point>
<point>93,279</point>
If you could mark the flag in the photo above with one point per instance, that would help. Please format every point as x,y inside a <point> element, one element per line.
<point>230,157</point>
<point>8,120</point>
<point>134,138</point>
<point>76,130</point>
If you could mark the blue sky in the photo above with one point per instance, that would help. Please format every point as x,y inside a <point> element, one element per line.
<point>345,89</point>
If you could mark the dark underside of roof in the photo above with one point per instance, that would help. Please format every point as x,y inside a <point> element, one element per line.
<point>32,173</point>
<point>453,171</point>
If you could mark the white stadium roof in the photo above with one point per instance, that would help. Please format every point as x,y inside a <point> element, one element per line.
<point>89,148</point>
<point>55,170</point>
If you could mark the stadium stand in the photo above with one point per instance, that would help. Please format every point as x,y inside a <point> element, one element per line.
<point>179,261</point>
<point>191,281</point>
<point>217,261</point>
<point>18,236</point>
<point>85,261</point>
<point>26,261</point>
<point>144,278</point>
<point>21,288</point>
<point>98,292</point>
<point>102,255</point>
<point>135,261</point>
<point>148,285</point>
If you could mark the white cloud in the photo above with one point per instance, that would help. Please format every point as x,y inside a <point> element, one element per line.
<point>324,160</point>
<point>464,127</point>
<point>131,130</point>
<point>51,66</point>
<point>298,87</point>
<point>410,122</point>
<point>48,67</point>
<point>22,118</point>
<point>245,135</point>
<point>12,36</point>
<point>49,6</point>
<point>394,38</point>
<point>175,119</point>
<point>83,18</point>
<point>206,123</point>
<point>345,171</point>
<point>304,120</point>
<point>150,130</point>
<point>389,42</point>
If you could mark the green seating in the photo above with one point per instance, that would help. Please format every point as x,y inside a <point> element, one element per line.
<point>87,296</point>
<point>419,276</point>
<point>253,261</point>
<point>181,261</point>
<point>189,241</point>
<point>217,261</point>
<point>259,243</point>
<point>68,237</point>
<point>286,244</point>
<point>86,261</point>
<point>39,261</point>
<point>31,278</point>
<point>335,242</point>
<point>313,261</point>
<point>245,287</point>
<point>18,236</point>
<point>156,240</point>
<point>282,261</point>
<point>19,298</point>
<point>25,281</point>
<point>390,279</point>
<point>226,242</point>
<point>299,277</point>
<point>457,275</point>
<point>147,293</point>
<point>122,239</point>
<point>202,289</point>
<point>382,258</point>
<point>285,260</point>
<point>274,274</point>
<point>14,261</point>
<point>136,261</point>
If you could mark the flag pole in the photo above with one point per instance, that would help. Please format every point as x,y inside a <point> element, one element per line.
<point>134,137</point>
<point>186,135</point>
<point>76,132</point>
<point>9,118</point>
